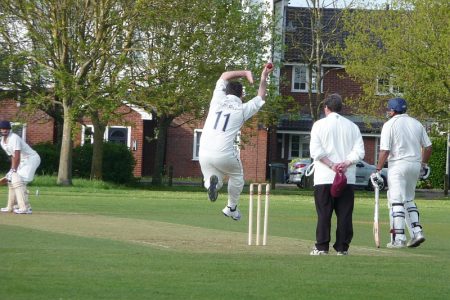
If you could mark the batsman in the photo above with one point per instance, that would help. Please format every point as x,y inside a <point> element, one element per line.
<point>24,162</point>
<point>407,147</point>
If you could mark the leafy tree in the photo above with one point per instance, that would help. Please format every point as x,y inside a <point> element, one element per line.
<point>68,47</point>
<point>184,46</point>
<point>405,46</point>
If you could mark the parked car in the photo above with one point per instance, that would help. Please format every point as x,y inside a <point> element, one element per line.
<point>297,169</point>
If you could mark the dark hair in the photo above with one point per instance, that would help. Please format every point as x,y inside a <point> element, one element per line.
<point>234,88</point>
<point>334,102</point>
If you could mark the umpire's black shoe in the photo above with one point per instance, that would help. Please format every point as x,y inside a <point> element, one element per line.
<point>212,190</point>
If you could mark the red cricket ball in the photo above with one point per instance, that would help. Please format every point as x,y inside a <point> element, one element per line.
<point>269,66</point>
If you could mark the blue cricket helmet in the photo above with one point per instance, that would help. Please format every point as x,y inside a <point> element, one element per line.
<point>398,105</point>
<point>5,125</point>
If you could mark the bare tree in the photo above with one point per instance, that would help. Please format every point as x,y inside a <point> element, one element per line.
<point>311,36</point>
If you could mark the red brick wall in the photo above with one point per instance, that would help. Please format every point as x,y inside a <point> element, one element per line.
<point>370,148</point>
<point>335,81</point>
<point>254,154</point>
<point>179,148</point>
<point>129,118</point>
<point>39,128</point>
<point>179,151</point>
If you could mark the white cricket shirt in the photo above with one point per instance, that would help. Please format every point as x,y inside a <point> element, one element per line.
<point>339,139</point>
<point>225,118</point>
<point>404,138</point>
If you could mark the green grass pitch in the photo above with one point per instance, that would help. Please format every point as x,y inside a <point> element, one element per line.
<point>97,242</point>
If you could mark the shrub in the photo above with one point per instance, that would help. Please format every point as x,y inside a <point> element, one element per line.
<point>5,162</point>
<point>118,162</point>
<point>437,162</point>
<point>49,154</point>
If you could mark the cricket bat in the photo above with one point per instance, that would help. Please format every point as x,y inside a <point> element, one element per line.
<point>376,225</point>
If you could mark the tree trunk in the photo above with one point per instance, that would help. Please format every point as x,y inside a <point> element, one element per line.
<point>65,159</point>
<point>97,150</point>
<point>163,125</point>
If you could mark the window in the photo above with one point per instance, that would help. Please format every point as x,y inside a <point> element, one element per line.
<point>196,143</point>
<point>118,135</point>
<point>387,86</point>
<point>114,134</point>
<point>300,77</point>
<point>298,146</point>
<point>19,129</point>
<point>87,135</point>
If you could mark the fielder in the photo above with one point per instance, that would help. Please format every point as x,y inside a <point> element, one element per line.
<point>24,162</point>
<point>217,154</point>
<point>407,147</point>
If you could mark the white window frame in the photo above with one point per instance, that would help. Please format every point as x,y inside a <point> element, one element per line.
<point>24,129</point>
<point>196,143</point>
<point>389,88</point>
<point>306,79</point>
<point>128,133</point>
<point>83,133</point>
<point>106,134</point>
<point>300,146</point>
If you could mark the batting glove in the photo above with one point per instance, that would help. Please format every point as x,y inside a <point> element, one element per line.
<point>376,179</point>
<point>424,172</point>
<point>8,175</point>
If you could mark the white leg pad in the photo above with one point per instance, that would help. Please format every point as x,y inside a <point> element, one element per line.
<point>398,221</point>
<point>412,215</point>
<point>20,190</point>
<point>11,198</point>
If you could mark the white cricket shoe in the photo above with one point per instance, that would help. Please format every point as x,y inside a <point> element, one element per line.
<point>235,214</point>
<point>418,239</point>
<point>28,211</point>
<point>341,253</point>
<point>5,210</point>
<point>316,251</point>
<point>396,244</point>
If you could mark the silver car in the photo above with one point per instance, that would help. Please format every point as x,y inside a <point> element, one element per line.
<point>298,167</point>
<point>296,171</point>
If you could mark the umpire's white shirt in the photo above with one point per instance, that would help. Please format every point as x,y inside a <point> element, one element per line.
<point>225,118</point>
<point>339,139</point>
<point>404,138</point>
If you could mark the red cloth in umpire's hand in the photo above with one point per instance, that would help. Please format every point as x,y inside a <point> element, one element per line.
<point>339,184</point>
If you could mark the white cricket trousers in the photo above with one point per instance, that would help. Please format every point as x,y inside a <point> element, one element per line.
<point>402,181</point>
<point>27,167</point>
<point>224,165</point>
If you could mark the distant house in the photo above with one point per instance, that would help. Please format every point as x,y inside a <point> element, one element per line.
<point>291,137</point>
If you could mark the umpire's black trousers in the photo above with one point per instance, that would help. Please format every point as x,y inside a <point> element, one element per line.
<point>343,207</point>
